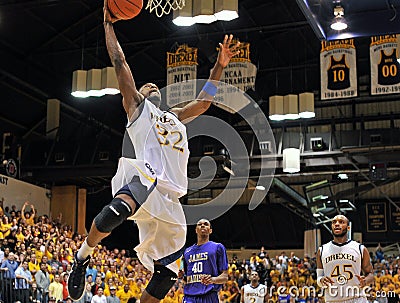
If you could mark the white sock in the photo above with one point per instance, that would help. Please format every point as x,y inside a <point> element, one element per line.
<point>84,251</point>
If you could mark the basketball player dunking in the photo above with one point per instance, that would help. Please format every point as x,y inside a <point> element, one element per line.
<point>146,188</point>
<point>255,292</point>
<point>339,266</point>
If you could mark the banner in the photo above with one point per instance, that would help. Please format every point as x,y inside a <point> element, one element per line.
<point>338,69</point>
<point>376,217</point>
<point>395,217</point>
<point>240,76</point>
<point>181,67</point>
<point>385,70</point>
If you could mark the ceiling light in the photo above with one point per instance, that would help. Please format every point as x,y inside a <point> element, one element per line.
<point>203,11</point>
<point>184,16</point>
<point>109,81</point>
<point>226,10</point>
<point>343,176</point>
<point>306,105</point>
<point>79,84</point>
<point>260,187</point>
<point>276,108</point>
<point>291,107</point>
<point>291,160</point>
<point>93,84</point>
<point>316,215</point>
<point>339,23</point>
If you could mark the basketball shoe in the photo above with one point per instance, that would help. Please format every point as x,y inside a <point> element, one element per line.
<point>76,279</point>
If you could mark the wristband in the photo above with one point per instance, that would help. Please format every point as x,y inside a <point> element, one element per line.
<point>210,88</point>
<point>320,276</point>
<point>319,283</point>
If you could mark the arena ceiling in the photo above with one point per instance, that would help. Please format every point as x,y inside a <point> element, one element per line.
<point>43,42</point>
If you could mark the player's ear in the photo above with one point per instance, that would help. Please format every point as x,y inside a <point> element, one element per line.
<point>210,230</point>
<point>348,227</point>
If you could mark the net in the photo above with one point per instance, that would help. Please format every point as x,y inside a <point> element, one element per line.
<point>161,7</point>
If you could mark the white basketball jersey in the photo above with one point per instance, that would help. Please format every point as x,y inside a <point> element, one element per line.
<point>342,262</point>
<point>160,139</point>
<point>254,295</point>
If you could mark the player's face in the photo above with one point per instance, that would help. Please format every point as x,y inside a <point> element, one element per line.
<point>151,92</point>
<point>254,276</point>
<point>339,226</point>
<point>203,227</point>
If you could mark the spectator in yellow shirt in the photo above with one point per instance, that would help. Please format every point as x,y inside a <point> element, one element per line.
<point>20,235</point>
<point>33,264</point>
<point>28,216</point>
<point>396,277</point>
<point>108,287</point>
<point>378,280</point>
<point>224,293</point>
<point>111,273</point>
<point>138,288</point>
<point>125,294</point>
<point>5,227</point>
<point>170,297</point>
<point>56,289</point>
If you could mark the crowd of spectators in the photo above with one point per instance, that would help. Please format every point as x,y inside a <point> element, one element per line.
<point>36,254</point>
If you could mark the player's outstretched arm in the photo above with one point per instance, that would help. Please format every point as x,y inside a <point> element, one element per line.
<point>206,95</point>
<point>131,98</point>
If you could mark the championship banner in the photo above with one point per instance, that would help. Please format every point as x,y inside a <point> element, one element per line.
<point>240,76</point>
<point>181,67</point>
<point>385,70</point>
<point>338,69</point>
<point>395,217</point>
<point>376,217</point>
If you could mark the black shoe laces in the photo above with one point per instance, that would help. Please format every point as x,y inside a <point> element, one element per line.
<point>79,268</point>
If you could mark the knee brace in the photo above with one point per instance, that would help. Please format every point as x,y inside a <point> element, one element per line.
<point>161,282</point>
<point>112,215</point>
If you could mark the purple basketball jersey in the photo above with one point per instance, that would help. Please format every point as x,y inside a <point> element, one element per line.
<point>207,259</point>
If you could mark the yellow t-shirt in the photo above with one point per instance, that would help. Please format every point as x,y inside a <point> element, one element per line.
<point>33,266</point>
<point>274,276</point>
<point>30,221</point>
<point>169,299</point>
<point>136,290</point>
<point>39,254</point>
<point>386,279</point>
<point>110,274</point>
<point>107,290</point>
<point>20,237</point>
<point>224,294</point>
<point>56,290</point>
<point>124,296</point>
<point>5,229</point>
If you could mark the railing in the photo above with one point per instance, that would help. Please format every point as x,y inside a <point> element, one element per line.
<point>11,291</point>
<point>392,249</point>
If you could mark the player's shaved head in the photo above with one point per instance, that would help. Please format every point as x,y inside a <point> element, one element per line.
<point>341,217</point>
<point>203,221</point>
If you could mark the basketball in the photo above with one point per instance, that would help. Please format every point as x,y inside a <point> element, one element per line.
<point>125,9</point>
